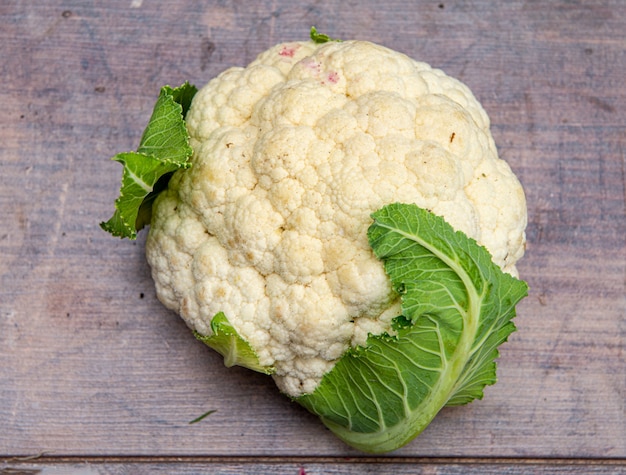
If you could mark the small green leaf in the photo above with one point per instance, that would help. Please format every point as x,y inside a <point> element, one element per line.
<point>319,38</point>
<point>199,418</point>
<point>163,149</point>
<point>235,350</point>
<point>457,307</point>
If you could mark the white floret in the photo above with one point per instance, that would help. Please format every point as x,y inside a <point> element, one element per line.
<point>291,156</point>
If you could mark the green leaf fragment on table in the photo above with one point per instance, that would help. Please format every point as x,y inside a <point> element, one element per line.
<point>163,148</point>
<point>203,416</point>
<point>457,307</point>
<point>236,350</point>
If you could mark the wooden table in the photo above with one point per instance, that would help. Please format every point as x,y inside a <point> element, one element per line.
<point>97,377</point>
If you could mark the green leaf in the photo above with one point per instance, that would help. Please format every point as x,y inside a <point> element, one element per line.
<point>319,38</point>
<point>163,149</point>
<point>235,350</point>
<point>203,416</point>
<point>457,307</point>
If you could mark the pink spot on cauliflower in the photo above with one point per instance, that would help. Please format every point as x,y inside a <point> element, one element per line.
<point>333,77</point>
<point>288,51</point>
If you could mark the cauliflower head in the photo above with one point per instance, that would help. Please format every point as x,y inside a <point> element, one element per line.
<point>291,156</point>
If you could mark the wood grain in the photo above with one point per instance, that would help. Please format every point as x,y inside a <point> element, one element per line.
<point>321,466</point>
<point>92,365</point>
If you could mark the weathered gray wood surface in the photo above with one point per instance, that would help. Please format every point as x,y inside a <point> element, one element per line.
<point>91,365</point>
<point>318,466</point>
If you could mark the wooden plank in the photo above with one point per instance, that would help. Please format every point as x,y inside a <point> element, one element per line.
<point>315,467</point>
<point>90,362</point>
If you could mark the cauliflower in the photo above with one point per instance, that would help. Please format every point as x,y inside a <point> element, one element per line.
<point>291,156</point>
<point>271,226</point>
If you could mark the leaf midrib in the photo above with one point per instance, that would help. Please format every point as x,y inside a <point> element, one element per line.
<point>453,367</point>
